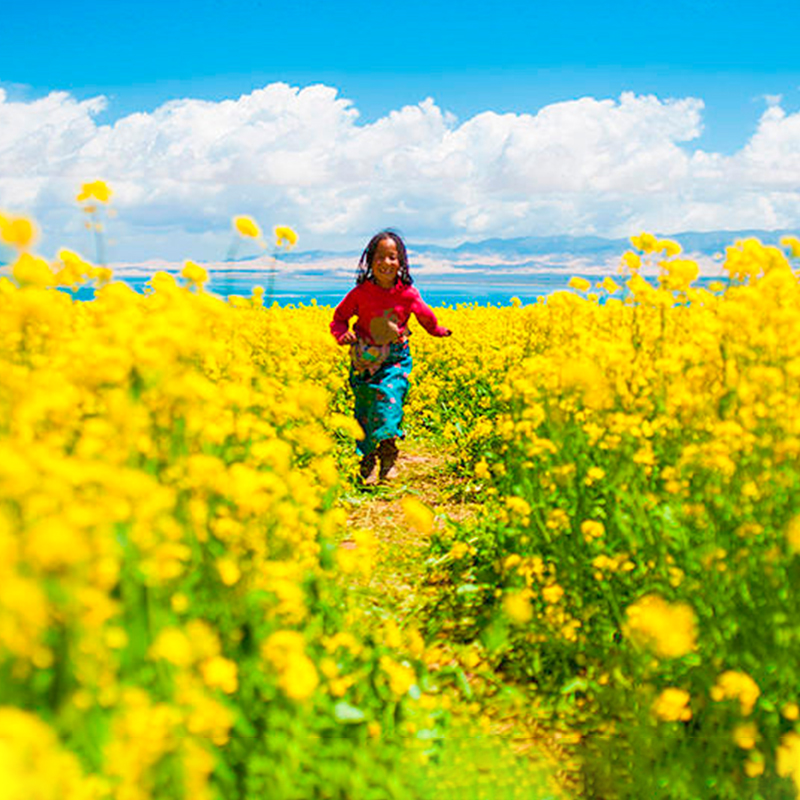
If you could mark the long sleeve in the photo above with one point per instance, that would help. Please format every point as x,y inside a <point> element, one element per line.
<point>426,317</point>
<point>347,309</point>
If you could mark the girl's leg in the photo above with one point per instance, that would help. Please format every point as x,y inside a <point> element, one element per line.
<point>364,412</point>
<point>367,465</point>
<point>387,453</point>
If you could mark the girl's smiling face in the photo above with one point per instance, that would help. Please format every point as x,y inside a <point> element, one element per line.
<point>386,263</point>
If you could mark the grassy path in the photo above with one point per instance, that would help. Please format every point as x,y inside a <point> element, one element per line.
<point>494,749</point>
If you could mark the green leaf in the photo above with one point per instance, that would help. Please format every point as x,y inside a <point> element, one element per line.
<point>344,712</point>
<point>575,685</point>
<point>495,635</point>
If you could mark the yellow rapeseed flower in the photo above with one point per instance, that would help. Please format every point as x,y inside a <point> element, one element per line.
<point>401,676</point>
<point>552,594</point>
<point>247,226</point>
<point>97,189</point>
<point>668,629</point>
<point>754,766</point>
<point>17,231</point>
<point>173,645</point>
<point>31,270</point>
<point>517,607</point>
<point>220,673</point>
<point>300,678</point>
<point>458,550</point>
<point>669,247</point>
<point>793,534</point>
<point>579,284</point>
<point>790,711</point>
<point>297,675</point>
<point>34,763</point>
<point>792,243</point>
<point>631,260</point>
<point>787,758</point>
<point>592,529</point>
<point>418,515</point>
<point>645,242</point>
<point>745,735</point>
<point>285,236</point>
<point>733,685</point>
<point>482,470</point>
<point>610,285</point>
<point>194,273</point>
<point>672,705</point>
<point>518,506</point>
<point>229,571</point>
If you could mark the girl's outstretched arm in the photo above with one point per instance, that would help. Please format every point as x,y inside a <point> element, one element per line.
<point>426,317</point>
<point>340,325</point>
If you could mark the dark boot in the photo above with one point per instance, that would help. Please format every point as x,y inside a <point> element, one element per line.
<point>367,465</point>
<point>387,453</point>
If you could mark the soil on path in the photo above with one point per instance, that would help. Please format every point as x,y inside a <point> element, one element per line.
<point>494,750</point>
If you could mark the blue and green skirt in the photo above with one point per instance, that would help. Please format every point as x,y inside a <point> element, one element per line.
<point>379,397</point>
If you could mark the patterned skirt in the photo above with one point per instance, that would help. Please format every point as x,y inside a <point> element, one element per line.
<point>379,397</point>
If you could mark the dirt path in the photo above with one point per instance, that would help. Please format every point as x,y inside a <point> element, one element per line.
<point>495,749</point>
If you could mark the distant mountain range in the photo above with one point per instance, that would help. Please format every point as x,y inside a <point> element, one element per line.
<point>706,243</point>
<point>586,247</point>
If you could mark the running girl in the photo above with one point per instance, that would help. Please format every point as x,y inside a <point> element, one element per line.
<point>380,359</point>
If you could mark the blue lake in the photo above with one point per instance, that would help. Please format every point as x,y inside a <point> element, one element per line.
<point>438,290</point>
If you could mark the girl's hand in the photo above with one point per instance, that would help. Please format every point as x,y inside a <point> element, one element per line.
<point>348,338</point>
<point>447,332</point>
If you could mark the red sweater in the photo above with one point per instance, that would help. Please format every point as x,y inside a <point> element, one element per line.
<point>382,313</point>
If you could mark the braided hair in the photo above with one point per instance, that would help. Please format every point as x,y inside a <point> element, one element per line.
<point>365,272</point>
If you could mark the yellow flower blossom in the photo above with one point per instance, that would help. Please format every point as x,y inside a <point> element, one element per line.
<point>754,766</point>
<point>553,593</point>
<point>34,763</point>
<point>482,470</point>
<point>592,529</point>
<point>247,226</point>
<point>418,515</point>
<point>668,629</point>
<point>285,236</point>
<point>517,607</point>
<point>518,506</point>
<point>793,534</point>
<point>610,285</point>
<point>787,758</point>
<point>745,735</point>
<point>791,711</point>
<point>401,676</point>
<point>672,705</point>
<point>733,685</point>
<point>459,550</point>
<point>579,284</point>
<point>297,675</point>
<point>229,571</point>
<point>96,189</point>
<point>173,645</point>
<point>220,673</point>
<point>645,242</point>
<point>29,270</point>
<point>17,231</point>
<point>194,273</point>
<point>792,243</point>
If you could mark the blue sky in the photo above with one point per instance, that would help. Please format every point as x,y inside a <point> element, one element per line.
<point>470,56</point>
<point>738,58</point>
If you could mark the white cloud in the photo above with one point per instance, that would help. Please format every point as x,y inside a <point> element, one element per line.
<point>302,157</point>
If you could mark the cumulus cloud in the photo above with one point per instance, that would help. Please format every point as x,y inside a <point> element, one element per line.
<point>303,157</point>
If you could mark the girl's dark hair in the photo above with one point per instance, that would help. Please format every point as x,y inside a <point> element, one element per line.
<point>365,262</point>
